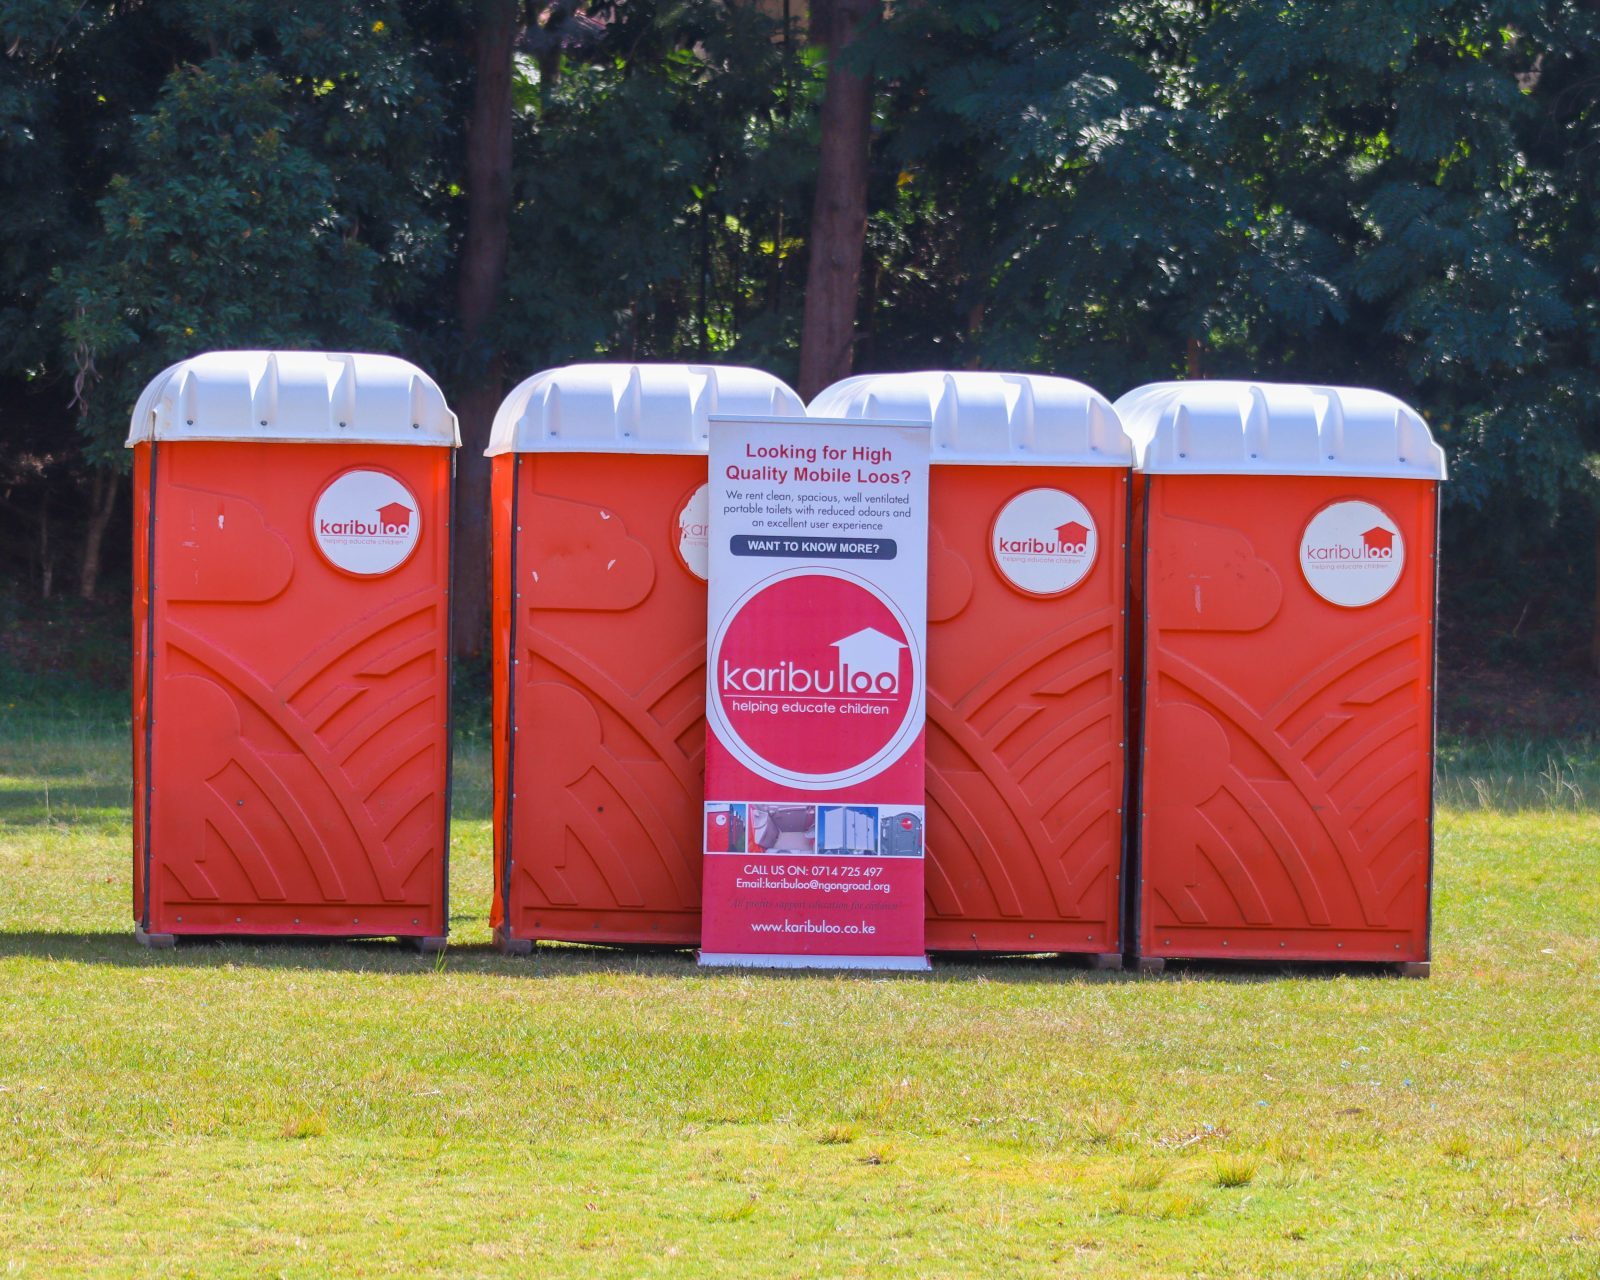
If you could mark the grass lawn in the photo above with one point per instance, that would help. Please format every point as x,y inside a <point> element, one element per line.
<point>359,1110</point>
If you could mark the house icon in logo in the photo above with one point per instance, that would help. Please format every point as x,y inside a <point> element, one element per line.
<point>395,513</point>
<point>1377,540</point>
<point>872,654</point>
<point>1072,534</point>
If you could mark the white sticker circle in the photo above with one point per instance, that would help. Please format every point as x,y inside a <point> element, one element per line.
<point>1044,542</point>
<point>366,523</point>
<point>694,533</point>
<point>1352,554</point>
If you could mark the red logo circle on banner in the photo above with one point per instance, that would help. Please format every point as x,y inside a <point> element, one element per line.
<point>815,680</point>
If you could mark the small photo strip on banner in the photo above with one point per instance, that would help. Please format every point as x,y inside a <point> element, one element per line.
<point>783,827</point>
<point>900,831</point>
<point>727,828</point>
<point>807,830</point>
<point>847,830</point>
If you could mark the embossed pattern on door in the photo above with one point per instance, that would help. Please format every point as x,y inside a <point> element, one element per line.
<point>1288,741</point>
<point>1025,727</point>
<point>607,696</point>
<point>298,757</point>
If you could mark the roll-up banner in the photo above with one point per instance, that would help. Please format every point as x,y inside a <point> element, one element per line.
<point>816,688</point>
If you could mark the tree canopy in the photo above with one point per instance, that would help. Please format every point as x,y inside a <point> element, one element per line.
<point>1393,193</point>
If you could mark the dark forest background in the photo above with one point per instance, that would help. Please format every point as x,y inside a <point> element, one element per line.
<point>1392,193</point>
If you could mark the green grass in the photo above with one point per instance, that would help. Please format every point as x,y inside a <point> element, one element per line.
<point>1516,776</point>
<point>241,1110</point>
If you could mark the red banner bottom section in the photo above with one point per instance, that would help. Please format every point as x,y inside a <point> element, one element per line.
<point>778,904</point>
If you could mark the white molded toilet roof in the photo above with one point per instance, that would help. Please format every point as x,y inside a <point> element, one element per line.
<point>1286,429</point>
<point>294,397</point>
<point>995,419</point>
<point>632,408</point>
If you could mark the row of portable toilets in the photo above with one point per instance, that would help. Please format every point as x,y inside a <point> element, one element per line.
<point>1211,736</point>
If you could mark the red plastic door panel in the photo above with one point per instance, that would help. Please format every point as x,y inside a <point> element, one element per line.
<point>606,699</point>
<point>1288,741</point>
<point>296,713</point>
<point>1026,759</point>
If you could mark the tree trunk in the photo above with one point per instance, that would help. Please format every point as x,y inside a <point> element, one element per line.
<point>482,279</point>
<point>975,318</point>
<point>705,276</point>
<point>47,563</point>
<point>102,502</point>
<point>1594,639</point>
<point>819,20</point>
<point>839,213</point>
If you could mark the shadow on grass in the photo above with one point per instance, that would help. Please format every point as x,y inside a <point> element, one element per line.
<point>549,960</point>
<point>1240,971</point>
<point>557,961</point>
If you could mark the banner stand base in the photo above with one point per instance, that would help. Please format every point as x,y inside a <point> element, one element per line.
<point>757,960</point>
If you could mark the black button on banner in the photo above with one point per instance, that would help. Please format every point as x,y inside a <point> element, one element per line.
<point>746,544</point>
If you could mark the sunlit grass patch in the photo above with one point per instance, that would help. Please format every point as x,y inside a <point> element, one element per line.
<point>1101,1126</point>
<point>309,1125</point>
<point>1144,1177</point>
<point>1456,1147</point>
<point>240,1109</point>
<point>1234,1170</point>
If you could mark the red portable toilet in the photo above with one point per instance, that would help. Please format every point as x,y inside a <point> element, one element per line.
<point>291,648</point>
<point>724,828</point>
<point>1286,587</point>
<point>1027,605</point>
<point>599,515</point>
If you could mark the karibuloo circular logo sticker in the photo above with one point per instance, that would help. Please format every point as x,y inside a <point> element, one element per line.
<point>694,532</point>
<point>366,523</point>
<point>815,680</point>
<point>1352,554</point>
<point>1044,542</point>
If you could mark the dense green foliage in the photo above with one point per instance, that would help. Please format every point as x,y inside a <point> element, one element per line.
<point>1399,194</point>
